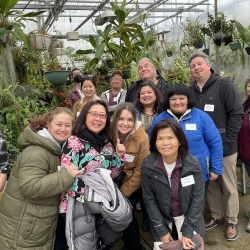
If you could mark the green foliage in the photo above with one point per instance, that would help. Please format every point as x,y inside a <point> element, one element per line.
<point>244,33</point>
<point>218,27</point>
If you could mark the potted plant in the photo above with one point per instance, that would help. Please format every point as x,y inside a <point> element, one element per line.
<point>244,34</point>
<point>110,63</point>
<point>235,44</point>
<point>193,34</point>
<point>40,40</point>
<point>170,48</point>
<point>219,29</point>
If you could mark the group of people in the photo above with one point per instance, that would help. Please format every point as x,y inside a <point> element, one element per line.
<point>174,146</point>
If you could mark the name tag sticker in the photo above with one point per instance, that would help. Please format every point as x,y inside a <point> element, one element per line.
<point>59,168</point>
<point>78,113</point>
<point>209,107</point>
<point>189,126</point>
<point>115,99</point>
<point>187,181</point>
<point>129,158</point>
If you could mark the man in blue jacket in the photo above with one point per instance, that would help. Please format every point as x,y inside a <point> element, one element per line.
<point>219,98</point>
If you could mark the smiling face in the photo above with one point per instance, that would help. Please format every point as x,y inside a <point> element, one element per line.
<point>60,127</point>
<point>96,123</point>
<point>88,89</point>
<point>167,145</point>
<point>178,104</point>
<point>147,71</point>
<point>200,69</point>
<point>147,96</point>
<point>116,82</point>
<point>125,123</point>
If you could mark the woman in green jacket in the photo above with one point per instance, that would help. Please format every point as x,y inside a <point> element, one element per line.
<point>29,207</point>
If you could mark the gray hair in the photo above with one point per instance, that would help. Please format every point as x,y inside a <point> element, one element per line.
<point>198,54</point>
<point>146,59</point>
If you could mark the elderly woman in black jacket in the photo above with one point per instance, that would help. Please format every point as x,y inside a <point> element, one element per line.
<point>173,186</point>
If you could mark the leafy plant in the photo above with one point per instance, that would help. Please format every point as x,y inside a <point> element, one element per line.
<point>218,27</point>
<point>244,33</point>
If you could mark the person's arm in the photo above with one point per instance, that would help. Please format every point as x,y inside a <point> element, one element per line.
<point>154,213</point>
<point>4,163</point>
<point>134,182</point>
<point>214,142</point>
<point>196,204</point>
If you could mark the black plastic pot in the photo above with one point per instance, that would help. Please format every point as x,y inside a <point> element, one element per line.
<point>206,51</point>
<point>110,63</point>
<point>126,74</point>
<point>169,53</point>
<point>227,39</point>
<point>218,41</point>
<point>247,50</point>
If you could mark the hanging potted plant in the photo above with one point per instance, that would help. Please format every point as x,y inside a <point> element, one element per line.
<point>219,29</point>
<point>244,34</point>
<point>110,63</point>
<point>170,48</point>
<point>40,40</point>
<point>235,44</point>
<point>193,35</point>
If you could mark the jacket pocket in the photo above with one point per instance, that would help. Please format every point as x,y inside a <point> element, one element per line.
<point>38,225</point>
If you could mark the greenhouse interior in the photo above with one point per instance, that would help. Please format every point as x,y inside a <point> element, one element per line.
<point>41,41</point>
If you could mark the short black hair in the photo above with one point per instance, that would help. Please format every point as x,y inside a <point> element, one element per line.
<point>175,126</point>
<point>159,96</point>
<point>89,78</point>
<point>81,119</point>
<point>178,89</point>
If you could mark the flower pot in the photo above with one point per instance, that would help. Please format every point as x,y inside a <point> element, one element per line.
<point>40,41</point>
<point>197,43</point>
<point>72,35</point>
<point>57,77</point>
<point>126,74</point>
<point>227,39</point>
<point>218,41</point>
<point>206,51</point>
<point>59,51</point>
<point>234,46</point>
<point>110,63</point>
<point>169,53</point>
<point>247,50</point>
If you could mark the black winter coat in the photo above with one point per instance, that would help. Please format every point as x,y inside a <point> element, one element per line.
<point>131,92</point>
<point>228,111</point>
<point>157,197</point>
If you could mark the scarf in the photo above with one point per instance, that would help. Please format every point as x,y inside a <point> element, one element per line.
<point>46,134</point>
<point>96,140</point>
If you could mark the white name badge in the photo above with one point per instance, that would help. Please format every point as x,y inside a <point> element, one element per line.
<point>59,168</point>
<point>189,126</point>
<point>129,158</point>
<point>115,99</point>
<point>78,113</point>
<point>209,107</point>
<point>187,181</point>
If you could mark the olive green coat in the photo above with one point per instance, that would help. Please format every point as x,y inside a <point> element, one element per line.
<point>29,207</point>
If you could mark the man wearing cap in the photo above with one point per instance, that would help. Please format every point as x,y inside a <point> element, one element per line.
<point>115,95</point>
<point>76,93</point>
<point>147,71</point>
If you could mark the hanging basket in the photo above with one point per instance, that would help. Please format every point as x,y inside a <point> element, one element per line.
<point>59,51</point>
<point>247,49</point>
<point>72,35</point>
<point>126,74</point>
<point>227,39</point>
<point>40,41</point>
<point>110,63</point>
<point>206,51</point>
<point>169,53</point>
<point>197,43</point>
<point>57,77</point>
<point>234,46</point>
<point>218,41</point>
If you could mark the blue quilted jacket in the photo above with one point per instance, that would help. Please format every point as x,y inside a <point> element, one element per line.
<point>203,138</point>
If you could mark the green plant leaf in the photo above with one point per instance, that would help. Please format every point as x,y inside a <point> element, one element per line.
<point>99,50</point>
<point>93,62</point>
<point>114,46</point>
<point>3,34</point>
<point>92,41</point>
<point>106,31</point>
<point>120,16</point>
<point>7,5</point>
<point>84,52</point>
<point>33,14</point>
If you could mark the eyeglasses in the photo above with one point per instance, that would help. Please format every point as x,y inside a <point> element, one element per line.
<point>117,79</point>
<point>95,115</point>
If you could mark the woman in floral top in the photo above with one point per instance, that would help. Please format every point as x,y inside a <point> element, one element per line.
<point>88,148</point>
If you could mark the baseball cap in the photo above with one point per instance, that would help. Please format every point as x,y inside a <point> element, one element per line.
<point>118,72</point>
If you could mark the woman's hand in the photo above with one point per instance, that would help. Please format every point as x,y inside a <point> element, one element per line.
<point>166,238</point>
<point>72,169</point>
<point>187,243</point>
<point>120,149</point>
<point>213,176</point>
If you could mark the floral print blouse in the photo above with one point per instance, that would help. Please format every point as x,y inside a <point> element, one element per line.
<point>84,156</point>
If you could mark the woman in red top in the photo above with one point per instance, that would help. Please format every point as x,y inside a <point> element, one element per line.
<point>244,139</point>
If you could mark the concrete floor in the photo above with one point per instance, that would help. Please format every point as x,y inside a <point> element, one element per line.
<point>215,239</point>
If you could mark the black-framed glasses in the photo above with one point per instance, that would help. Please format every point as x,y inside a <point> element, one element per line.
<point>95,114</point>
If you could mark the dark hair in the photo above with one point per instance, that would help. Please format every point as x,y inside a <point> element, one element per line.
<point>81,119</point>
<point>198,54</point>
<point>89,78</point>
<point>246,82</point>
<point>159,96</point>
<point>71,73</point>
<point>41,122</point>
<point>175,126</point>
<point>178,89</point>
<point>123,106</point>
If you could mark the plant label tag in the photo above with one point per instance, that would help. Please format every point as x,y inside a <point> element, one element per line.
<point>187,181</point>
<point>129,158</point>
<point>209,107</point>
<point>189,126</point>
